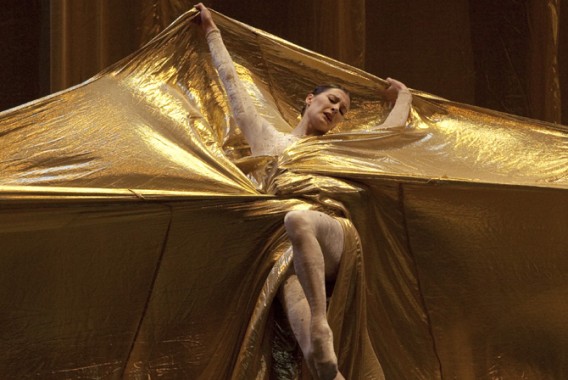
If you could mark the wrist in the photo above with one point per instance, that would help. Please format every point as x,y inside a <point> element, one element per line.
<point>404,93</point>
<point>211,30</point>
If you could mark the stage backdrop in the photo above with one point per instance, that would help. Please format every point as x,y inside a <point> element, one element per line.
<point>137,239</point>
<point>508,55</point>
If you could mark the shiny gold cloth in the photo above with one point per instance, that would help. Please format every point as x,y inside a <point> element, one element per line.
<point>139,241</point>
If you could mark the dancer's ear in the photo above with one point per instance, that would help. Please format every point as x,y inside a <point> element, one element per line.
<point>309,99</point>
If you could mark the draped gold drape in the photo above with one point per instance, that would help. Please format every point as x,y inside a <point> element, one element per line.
<point>504,55</point>
<point>133,245</point>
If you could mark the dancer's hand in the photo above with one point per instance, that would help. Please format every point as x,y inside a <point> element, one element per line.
<point>391,92</point>
<point>204,18</point>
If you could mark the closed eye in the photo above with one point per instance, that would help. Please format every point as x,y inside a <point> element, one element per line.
<point>335,100</point>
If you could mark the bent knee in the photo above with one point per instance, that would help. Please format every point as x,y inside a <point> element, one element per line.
<point>298,224</point>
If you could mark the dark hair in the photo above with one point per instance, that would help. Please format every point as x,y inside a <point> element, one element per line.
<point>323,88</point>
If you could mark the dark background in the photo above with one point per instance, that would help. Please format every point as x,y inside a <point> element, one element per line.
<point>507,55</point>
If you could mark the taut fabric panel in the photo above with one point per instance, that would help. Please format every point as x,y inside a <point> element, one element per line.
<point>140,240</point>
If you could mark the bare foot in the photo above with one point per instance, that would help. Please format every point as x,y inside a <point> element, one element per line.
<point>339,376</point>
<point>322,356</point>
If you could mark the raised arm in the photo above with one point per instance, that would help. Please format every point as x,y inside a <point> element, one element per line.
<point>261,136</point>
<point>398,93</point>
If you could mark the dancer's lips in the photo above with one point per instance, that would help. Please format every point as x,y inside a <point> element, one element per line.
<point>328,116</point>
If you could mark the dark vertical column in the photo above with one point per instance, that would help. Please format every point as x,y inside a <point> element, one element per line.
<point>500,39</point>
<point>563,58</point>
<point>155,15</point>
<point>333,28</point>
<point>268,15</point>
<point>20,30</point>
<point>44,69</point>
<point>543,75</point>
<point>425,44</point>
<point>88,36</point>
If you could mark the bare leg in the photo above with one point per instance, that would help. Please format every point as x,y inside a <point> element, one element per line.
<point>297,311</point>
<point>317,242</point>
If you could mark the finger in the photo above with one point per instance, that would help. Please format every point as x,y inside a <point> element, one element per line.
<point>394,82</point>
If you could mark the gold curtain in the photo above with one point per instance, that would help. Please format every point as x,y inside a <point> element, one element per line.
<point>501,55</point>
<point>87,36</point>
<point>96,215</point>
<point>334,28</point>
<point>134,246</point>
<point>544,79</point>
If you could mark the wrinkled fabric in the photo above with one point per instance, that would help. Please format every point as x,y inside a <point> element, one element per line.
<point>139,240</point>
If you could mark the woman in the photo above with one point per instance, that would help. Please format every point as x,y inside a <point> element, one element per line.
<point>317,239</point>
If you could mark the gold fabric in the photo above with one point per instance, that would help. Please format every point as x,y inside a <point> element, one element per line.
<point>139,241</point>
<point>521,72</point>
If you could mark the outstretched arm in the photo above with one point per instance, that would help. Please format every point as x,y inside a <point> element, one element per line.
<point>259,134</point>
<point>398,93</point>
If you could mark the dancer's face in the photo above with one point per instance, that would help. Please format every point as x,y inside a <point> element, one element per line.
<point>325,110</point>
